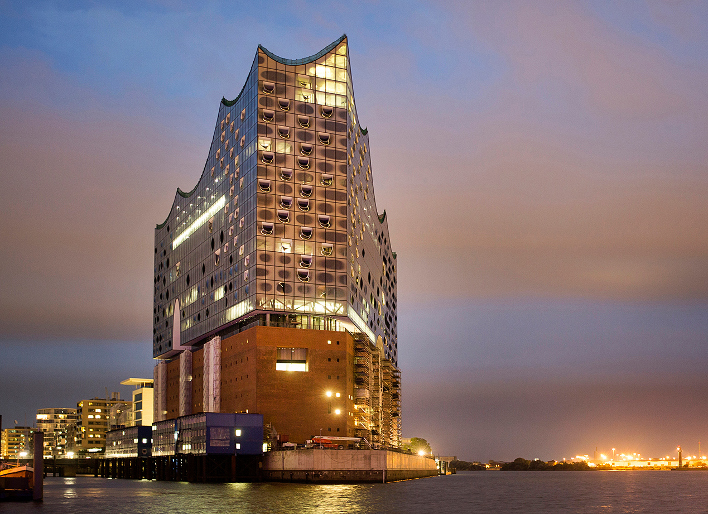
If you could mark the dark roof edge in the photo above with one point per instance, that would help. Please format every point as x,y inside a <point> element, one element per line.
<point>305,60</point>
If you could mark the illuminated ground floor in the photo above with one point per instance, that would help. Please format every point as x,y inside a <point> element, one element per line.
<point>304,382</point>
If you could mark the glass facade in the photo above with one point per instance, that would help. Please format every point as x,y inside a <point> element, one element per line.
<point>283,219</point>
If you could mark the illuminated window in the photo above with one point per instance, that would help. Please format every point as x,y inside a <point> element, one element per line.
<point>304,95</point>
<point>283,146</point>
<point>265,144</point>
<point>327,249</point>
<point>291,359</point>
<point>284,104</point>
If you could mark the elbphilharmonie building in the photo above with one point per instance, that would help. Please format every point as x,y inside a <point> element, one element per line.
<point>274,277</point>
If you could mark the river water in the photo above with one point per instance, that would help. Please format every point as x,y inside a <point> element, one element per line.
<point>480,491</point>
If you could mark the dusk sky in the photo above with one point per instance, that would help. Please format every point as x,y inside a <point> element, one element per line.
<point>543,166</point>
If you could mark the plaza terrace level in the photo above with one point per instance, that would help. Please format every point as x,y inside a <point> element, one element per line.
<point>274,277</point>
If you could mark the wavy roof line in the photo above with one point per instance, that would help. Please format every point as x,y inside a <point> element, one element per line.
<point>229,103</point>
<point>304,60</point>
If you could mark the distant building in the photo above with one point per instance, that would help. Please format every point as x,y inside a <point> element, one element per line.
<point>93,422</point>
<point>142,407</point>
<point>274,277</point>
<point>209,433</point>
<point>17,443</point>
<point>54,422</point>
<point>135,441</point>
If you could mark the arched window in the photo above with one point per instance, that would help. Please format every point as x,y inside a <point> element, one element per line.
<point>286,202</point>
<point>306,232</point>
<point>324,138</point>
<point>264,185</point>
<point>305,148</point>
<point>268,87</point>
<point>327,111</point>
<point>327,179</point>
<point>305,191</point>
<point>268,115</point>
<point>303,204</point>
<point>304,121</point>
<point>266,228</point>
<point>284,104</point>
<point>284,132</point>
<point>325,220</point>
<point>303,162</point>
<point>283,216</point>
<point>303,275</point>
<point>286,173</point>
<point>327,249</point>
<point>268,157</point>
<point>306,261</point>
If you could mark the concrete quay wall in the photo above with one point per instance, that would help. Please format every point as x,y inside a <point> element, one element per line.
<point>328,465</point>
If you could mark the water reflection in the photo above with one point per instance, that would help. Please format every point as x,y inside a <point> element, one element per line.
<point>638,491</point>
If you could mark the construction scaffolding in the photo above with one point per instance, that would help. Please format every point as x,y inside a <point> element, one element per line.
<point>377,395</point>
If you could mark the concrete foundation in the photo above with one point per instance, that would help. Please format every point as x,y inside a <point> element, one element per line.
<point>326,465</point>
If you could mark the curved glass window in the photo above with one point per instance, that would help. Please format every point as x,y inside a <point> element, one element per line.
<point>327,249</point>
<point>304,121</point>
<point>303,162</point>
<point>305,148</point>
<point>268,87</point>
<point>268,157</point>
<point>306,232</point>
<point>327,111</point>
<point>303,275</point>
<point>305,191</point>
<point>303,204</point>
<point>286,173</point>
<point>306,261</point>
<point>283,216</point>
<point>324,138</point>
<point>284,104</point>
<point>325,221</point>
<point>327,179</point>
<point>286,202</point>
<point>268,115</point>
<point>264,185</point>
<point>284,132</point>
<point>266,228</point>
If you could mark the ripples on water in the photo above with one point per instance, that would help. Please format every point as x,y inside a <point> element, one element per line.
<point>483,491</point>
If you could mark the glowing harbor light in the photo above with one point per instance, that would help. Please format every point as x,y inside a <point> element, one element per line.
<point>191,229</point>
